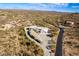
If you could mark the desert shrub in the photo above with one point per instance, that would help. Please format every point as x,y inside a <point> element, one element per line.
<point>24,41</point>
<point>2,14</point>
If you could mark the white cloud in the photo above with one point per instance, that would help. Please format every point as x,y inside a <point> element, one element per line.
<point>60,4</point>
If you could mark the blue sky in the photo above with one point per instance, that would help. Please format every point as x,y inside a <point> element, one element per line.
<point>60,7</point>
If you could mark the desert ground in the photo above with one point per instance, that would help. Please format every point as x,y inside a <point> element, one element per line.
<point>13,41</point>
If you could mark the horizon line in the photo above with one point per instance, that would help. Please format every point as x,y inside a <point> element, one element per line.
<point>37,10</point>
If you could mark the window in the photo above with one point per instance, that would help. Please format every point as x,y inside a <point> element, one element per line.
<point>48,47</point>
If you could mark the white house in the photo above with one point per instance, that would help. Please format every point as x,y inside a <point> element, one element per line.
<point>42,29</point>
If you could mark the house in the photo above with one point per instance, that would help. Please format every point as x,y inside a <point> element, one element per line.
<point>40,29</point>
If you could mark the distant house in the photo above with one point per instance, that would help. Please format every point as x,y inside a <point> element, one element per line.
<point>68,23</point>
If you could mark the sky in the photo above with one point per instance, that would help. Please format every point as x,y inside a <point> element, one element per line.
<point>59,7</point>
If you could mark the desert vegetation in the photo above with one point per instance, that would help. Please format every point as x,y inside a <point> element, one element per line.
<point>14,42</point>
